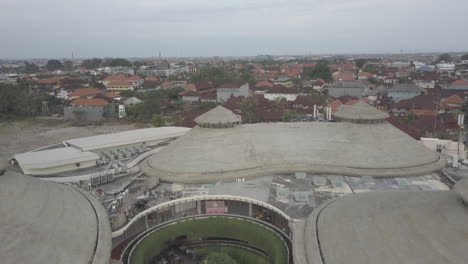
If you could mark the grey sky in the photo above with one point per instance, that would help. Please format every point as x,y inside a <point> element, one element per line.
<point>98,28</point>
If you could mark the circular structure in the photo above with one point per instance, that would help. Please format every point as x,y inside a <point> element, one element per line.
<point>229,231</point>
<point>253,150</point>
<point>44,222</point>
<point>387,227</point>
<point>199,206</point>
<point>218,117</point>
<point>360,112</point>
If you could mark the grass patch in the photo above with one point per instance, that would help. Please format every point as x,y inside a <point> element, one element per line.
<point>240,255</point>
<point>196,229</point>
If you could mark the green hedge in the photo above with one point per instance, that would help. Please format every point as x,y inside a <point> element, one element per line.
<point>195,229</point>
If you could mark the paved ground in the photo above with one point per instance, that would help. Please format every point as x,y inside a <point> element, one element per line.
<point>296,194</point>
<point>17,137</point>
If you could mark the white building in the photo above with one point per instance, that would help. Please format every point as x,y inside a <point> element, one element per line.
<point>55,161</point>
<point>444,66</point>
<point>446,147</point>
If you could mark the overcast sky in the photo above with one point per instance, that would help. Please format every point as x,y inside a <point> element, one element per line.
<point>142,28</point>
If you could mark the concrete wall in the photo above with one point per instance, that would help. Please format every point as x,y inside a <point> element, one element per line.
<point>338,92</point>
<point>223,94</point>
<point>90,113</point>
<point>58,169</point>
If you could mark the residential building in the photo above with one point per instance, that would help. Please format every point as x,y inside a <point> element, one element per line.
<point>118,87</point>
<point>85,109</point>
<point>280,91</point>
<point>284,81</point>
<point>84,93</point>
<point>404,91</point>
<point>445,67</point>
<point>356,88</point>
<point>228,90</point>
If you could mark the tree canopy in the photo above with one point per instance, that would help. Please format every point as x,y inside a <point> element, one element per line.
<point>444,57</point>
<point>219,75</point>
<point>30,68</point>
<point>16,102</point>
<point>360,62</point>
<point>248,107</point>
<point>117,62</point>
<point>53,65</point>
<point>68,66</point>
<point>321,70</point>
<point>92,63</point>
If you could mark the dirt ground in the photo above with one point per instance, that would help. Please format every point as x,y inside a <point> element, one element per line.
<point>21,136</point>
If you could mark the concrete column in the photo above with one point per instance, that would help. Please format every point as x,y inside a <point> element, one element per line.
<point>146,222</point>
<point>199,207</point>
<point>250,209</point>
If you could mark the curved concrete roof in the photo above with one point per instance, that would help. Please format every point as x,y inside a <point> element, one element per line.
<point>391,227</point>
<point>44,222</point>
<point>218,115</point>
<point>359,111</point>
<point>461,188</point>
<point>206,155</point>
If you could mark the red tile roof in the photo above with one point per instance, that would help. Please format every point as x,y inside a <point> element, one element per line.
<point>85,92</point>
<point>118,77</point>
<point>52,80</point>
<point>419,112</point>
<point>460,82</point>
<point>134,78</point>
<point>230,85</point>
<point>280,89</point>
<point>190,87</point>
<point>89,102</point>
<point>335,105</point>
<point>112,95</point>
<point>119,83</point>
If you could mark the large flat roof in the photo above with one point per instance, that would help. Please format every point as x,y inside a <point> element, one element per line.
<point>389,227</point>
<point>53,158</point>
<point>206,155</point>
<point>126,138</point>
<point>45,222</point>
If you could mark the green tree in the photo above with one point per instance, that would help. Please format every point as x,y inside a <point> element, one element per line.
<point>280,104</point>
<point>80,115</point>
<point>117,62</point>
<point>16,102</point>
<point>248,107</point>
<point>158,120</point>
<point>92,63</point>
<point>444,57</point>
<point>68,66</point>
<point>321,70</point>
<point>373,80</point>
<point>360,63</point>
<point>138,64</point>
<point>53,65</point>
<point>290,116</point>
<point>218,258</point>
<point>30,68</point>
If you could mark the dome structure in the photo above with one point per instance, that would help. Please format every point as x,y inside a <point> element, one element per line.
<point>45,222</point>
<point>218,117</point>
<point>360,112</point>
